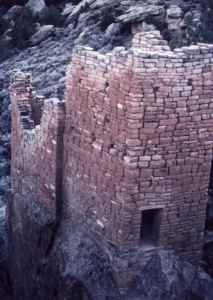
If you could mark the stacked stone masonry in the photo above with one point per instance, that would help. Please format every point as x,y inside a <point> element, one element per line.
<point>137,137</point>
<point>37,138</point>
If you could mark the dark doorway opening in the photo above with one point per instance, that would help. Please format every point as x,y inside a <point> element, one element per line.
<point>150,227</point>
<point>211,180</point>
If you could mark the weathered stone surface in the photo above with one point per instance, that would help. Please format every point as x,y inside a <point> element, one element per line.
<point>136,131</point>
<point>174,11</point>
<point>13,12</point>
<point>208,257</point>
<point>6,292</point>
<point>36,7</point>
<point>139,13</point>
<point>23,29</point>
<point>84,258</point>
<point>67,9</point>
<point>80,264</point>
<point>43,33</point>
<point>164,276</point>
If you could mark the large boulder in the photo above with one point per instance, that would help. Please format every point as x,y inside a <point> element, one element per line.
<point>6,46</point>
<point>50,15</point>
<point>43,33</point>
<point>13,13</point>
<point>30,230</point>
<point>84,266</point>
<point>67,9</point>
<point>75,264</point>
<point>164,276</point>
<point>24,27</point>
<point>36,7</point>
<point>4,24</point>
<point>69,264</point>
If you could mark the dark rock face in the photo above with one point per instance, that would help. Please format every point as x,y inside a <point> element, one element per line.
<point>208,257</point>
<point>23,29</point>
<point>209,217</point>
<point>73,264</point>
<point>28,244</point>
<point>6,291</point>
<point>93,268</point>
<point>164,276</point>
<point>181,22</point>
<point>208,248</point>
<point>43,33</point>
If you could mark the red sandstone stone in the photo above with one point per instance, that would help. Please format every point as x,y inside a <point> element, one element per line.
<point>137,136</point>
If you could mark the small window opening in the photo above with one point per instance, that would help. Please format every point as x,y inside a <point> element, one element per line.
<point>189,82</point>
<point>150,227</point>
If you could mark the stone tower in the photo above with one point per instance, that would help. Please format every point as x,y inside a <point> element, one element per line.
<point>131,157</point>
<point>138,143</point>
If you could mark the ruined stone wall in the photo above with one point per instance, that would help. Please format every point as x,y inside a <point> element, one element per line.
<point>138,136</point>
<point>37,143</point>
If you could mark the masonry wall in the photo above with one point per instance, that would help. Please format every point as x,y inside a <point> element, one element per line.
<point>37,143</point>
<point>138,135</point>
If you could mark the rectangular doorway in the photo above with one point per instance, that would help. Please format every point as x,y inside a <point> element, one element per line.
<point>150,227</point>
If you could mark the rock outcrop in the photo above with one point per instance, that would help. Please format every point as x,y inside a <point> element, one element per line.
<point>181,22</point>
<point>83,266</point>
<point>36,7</point>
<point>71,263</point>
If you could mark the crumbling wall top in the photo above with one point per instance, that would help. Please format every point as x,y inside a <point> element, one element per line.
<point>145,45</point>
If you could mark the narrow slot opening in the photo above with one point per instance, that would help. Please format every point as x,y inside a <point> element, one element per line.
<point>150,227</point>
